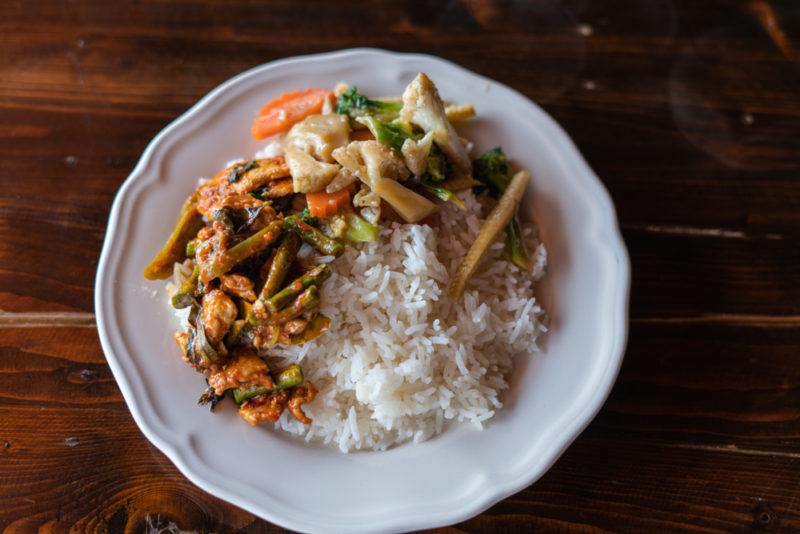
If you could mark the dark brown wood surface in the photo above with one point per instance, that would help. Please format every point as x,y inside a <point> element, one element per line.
<point>688,111</point>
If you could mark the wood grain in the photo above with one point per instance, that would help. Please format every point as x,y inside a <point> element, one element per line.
<point>678,446</point>
<point>688,111</point>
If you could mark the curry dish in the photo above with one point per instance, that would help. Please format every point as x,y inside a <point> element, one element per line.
<point>257,239</point>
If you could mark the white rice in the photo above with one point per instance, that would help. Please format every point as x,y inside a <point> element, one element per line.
<point>402,358</point>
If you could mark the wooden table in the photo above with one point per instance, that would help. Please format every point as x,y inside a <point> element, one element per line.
<point>688,111</point>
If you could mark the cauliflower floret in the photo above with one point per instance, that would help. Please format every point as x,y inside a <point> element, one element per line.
<point>343,179</point>
<point>423,106</point>
<point>416,153</point>
<point>308,149</point>
<point>308,174</point>
<point>380,169</point>
<point>319,135</point>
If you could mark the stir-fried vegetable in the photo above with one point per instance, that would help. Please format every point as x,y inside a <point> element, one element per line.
<point>184,296</point>
<point>493,170</point>
<point>288,378</point>
<point>333,176</point>
<point>355,105</point>
<point>174,250</point>
<point>238,171</point>
<point>444,194</point>
<point>227,260</point>
<point>497,219</point>
<point>285,296</point>
<point>313,236</point>
<point>359,230</point>
<point>281,263</point>
<point>323,204</point>
<point>391,134</point>
<point>304,302</point>
<point>280,114</point>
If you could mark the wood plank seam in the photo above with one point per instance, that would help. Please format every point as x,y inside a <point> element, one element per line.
<point>85,319</point>
<point>692,231</point>
<point>731,448</point>
<point>731,319</point>
<point>46,319</point>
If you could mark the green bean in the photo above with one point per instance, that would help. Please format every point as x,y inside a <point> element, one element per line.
<point>189,223</point>
<point>314,277</point>
<point>288,378</point>
<point>516,246</point>
<point>305,301</point>
<point>284,256</point>
<point>225,261</point>
<point>312,236</point>
<point>184,296</point>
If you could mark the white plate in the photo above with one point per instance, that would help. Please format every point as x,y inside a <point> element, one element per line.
<point>449,478</point>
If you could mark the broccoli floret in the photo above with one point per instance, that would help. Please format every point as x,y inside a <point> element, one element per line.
<point>492,169</point>
<point>355,104</point>
<point>391,134</point>
<point>439,166</point>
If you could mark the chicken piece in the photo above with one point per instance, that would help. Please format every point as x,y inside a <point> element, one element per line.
<point>415,153</point>
<point>380,168</point>
<point>423,106</point>
<point>279,188</point>
<point>246,370</point>
<point>264,407</point>
<point>218,313</point>
<point>237,285</point>
<point>319,135</point>
<point>299,395</point>
<point>268,170</point>
<point>212,197</point>
<point>265,334</point>
<point>294,327</point>
<point>308,174</point>
<point>205,233</point>
<point>382,163</point>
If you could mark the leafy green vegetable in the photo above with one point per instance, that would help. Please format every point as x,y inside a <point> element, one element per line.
<point>360,230</point>
<point>443,194</point>
<point>438,166</point>
<point>237,220</point>
<point>199,350</point>
<point>308,218</point>
<point>493,170</point>
<point>516,247</point>
<point>238,171</point>
<point>355,104</point>
<point>210,396</point>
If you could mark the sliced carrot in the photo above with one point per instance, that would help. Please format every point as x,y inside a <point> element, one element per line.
<point>279,114</point>
<point>323,204</point>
